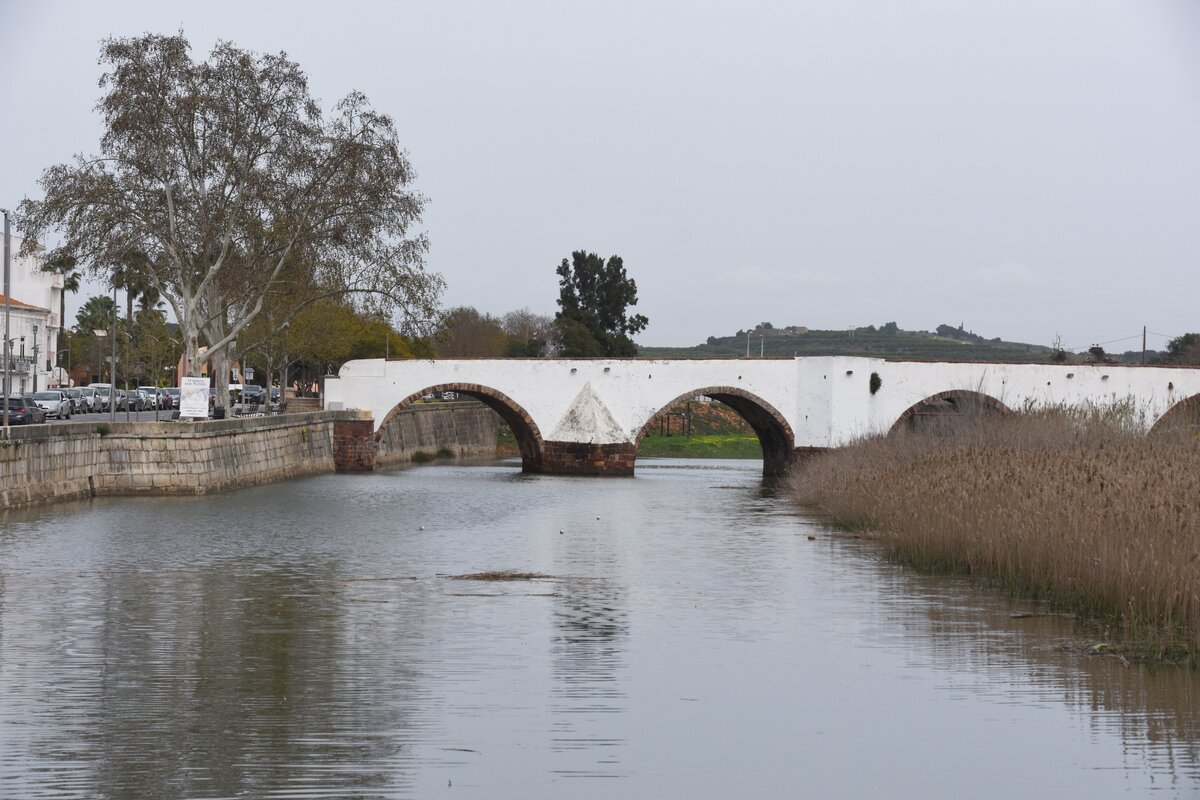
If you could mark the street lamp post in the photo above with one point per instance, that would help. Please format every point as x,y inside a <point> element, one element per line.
<point>157,372</point>
<point>112,411</point>
<point>128,361</point>
<point>7,292</point>
<point>98,334</point>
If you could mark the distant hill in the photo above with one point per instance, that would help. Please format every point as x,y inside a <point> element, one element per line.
<point>947,343</point>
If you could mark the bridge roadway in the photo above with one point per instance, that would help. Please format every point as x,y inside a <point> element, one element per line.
<point>588,415</point>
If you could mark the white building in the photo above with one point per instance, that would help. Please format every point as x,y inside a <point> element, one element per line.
<point>34,322</point>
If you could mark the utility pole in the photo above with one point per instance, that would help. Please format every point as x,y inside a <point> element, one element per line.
<point>7,292</point>
<point>35,357</point>
<point>747,343</point>
<point>1143,345</point>
<point>112,372</point>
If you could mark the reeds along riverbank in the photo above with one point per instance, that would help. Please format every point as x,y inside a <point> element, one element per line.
<point>1077,510</point>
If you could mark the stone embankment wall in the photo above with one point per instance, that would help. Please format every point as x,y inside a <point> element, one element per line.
<point>45,463</point>
<point>425,430</point>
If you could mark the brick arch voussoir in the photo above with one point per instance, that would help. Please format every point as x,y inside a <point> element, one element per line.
<point>774,433</point>
<point>986,401</point>
<point>529,437</point>
<point>1184,413</point>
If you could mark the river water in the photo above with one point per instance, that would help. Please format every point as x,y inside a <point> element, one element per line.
<point>690,639</point>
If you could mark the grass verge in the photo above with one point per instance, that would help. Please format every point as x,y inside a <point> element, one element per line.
<point>713,446</point>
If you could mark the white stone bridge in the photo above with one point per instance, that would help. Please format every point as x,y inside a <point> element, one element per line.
<point>589,415</point>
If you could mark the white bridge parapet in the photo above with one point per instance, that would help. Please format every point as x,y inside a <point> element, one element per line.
<point>591,413</point>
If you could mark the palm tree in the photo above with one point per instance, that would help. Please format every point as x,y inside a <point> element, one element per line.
<point>95,314</point>
<point>65,266</point>
<point>131,276</point>
<point>149,299</point>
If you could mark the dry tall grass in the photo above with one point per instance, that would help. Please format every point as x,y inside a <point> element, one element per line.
<point>1077,510</point>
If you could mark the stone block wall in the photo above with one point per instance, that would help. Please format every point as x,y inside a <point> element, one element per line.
<point>45,463</point>
<point>213,456</point>
<point>577,458</point>
<point>466,429</point>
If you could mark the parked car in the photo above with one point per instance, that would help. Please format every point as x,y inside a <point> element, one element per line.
<point>76,399</point>
<point>89,401</point>
<point>129,400</point>
<point>253,395</point>
<point>173,394</point>
<point>24,412</point>
<point>54,403</point>
<point>156,397</point>
<point>148,398</point>
<point>104,392</point>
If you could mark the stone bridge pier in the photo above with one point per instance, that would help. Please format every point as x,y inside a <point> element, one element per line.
<point>588,416</point>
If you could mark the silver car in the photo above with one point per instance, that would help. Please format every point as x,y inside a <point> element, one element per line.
<point>89,401</point>
<point>156,397</point>
<point>78,404</point>
<point>54,403</point>
<point>141,400</point>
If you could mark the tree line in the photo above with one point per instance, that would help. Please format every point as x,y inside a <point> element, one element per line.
<point>272,229</point>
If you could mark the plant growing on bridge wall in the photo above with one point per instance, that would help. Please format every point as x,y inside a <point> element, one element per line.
<point>227,182</point>
<point>876,382</point>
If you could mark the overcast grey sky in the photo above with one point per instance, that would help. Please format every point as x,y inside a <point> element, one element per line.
<point>1026,168</point>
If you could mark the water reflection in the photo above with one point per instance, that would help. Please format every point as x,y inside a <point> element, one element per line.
<point>194,684</point>
<point>587,657</point>
<point>692,640</point>
<point>989,648</point>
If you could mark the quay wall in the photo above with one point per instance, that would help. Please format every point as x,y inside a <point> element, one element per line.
<point>422,430</point>
<point>48,463</point>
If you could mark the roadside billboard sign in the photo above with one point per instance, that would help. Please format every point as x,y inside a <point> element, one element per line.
<point>193,397</point>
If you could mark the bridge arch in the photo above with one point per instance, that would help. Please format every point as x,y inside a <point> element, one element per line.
<point>1184,414</point>
<point>529,438</point>
<point>774,433</point>
<point>950,405</point>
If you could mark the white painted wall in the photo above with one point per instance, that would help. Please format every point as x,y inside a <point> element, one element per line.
<point>30,285</point>
<point>632,390</point>
<point>827,401</point>
<point>1153,390</point>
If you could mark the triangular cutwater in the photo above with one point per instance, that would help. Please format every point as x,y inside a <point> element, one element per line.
<point>588,420</point>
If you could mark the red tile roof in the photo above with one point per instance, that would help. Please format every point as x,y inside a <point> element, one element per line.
<point>15,303</point>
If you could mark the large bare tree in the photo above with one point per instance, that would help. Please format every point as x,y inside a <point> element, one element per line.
<point>224,182</point>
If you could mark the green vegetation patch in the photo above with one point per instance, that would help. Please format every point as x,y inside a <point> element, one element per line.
<point>710,446</point>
